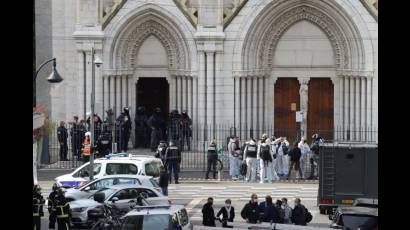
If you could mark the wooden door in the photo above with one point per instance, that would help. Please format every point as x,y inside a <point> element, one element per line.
<point>286,93</point>
<point>320,108</point>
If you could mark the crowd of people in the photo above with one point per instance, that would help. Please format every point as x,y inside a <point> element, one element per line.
<point>254,212</point>
<point>149,130</point>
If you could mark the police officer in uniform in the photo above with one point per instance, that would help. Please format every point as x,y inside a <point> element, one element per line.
<point>62,136</point>
<point>75,137</point>
<point>157,124</point>
<point>141,129</point>
<point>127,126</point>
<point>52,207</point>
<point>175,128</point>
<point>212,158</point>
<point>62,211</point>
<point>104,143</point>
<point>38,202</point>
<point>249,156</point>
<point>172,161</point>
<point>186,123</point>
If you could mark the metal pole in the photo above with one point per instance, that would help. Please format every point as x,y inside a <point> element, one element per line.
<point>92,115</point>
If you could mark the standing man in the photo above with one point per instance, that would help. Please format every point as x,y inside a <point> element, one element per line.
<point>62,136</point>
<point>173,160</point>
<point>141,128</point>
<point>161,151</point>
<point>304,149</point>
<point>265,157</point>
<point>212,156</point>
<point>52,207</point>
<point>157,124</point>
<point>315,147</point>
<point>250,211</point>
<point>281,155</point>
<point>295,155</point>
<point>175,128</point>
<point>273,147</point>
<point>127,128</point>
<point>186,122</point>
<point>234,161</point>
<point>299,213</point>
<point>208,215</point>
<point>75,137</point>
<point>287,219</point>
<point>86,149</point>
<point>249,156</point>
<point>62,211</point>
<point>38,202</point>
<point>163,180</point>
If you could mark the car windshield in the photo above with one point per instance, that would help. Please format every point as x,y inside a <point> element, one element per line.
<point>84,171</point>
<point>153,168</point>
<point>107,191</point>
<point>148,222</point>
<point>359,221</point>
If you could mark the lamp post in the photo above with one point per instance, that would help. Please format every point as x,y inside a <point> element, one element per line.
<point>95,62</point>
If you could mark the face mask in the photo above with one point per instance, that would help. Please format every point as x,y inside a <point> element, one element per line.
<point>227,205</point>
<point>255,200</point>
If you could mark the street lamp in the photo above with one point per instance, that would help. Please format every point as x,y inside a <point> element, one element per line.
<point>96,61</point>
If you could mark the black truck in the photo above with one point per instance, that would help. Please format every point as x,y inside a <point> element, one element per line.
<point>347,171</point>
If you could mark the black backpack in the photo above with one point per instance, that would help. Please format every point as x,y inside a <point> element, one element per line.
<point>243,169</point>
<point>265,153</point>
<point>285,149</point>
<point>308,216</point>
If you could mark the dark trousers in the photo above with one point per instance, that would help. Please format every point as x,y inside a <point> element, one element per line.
<point>173,167</point>
<point>315,158</point>
<point>76,147</point>
<point>63,224</point>
<point>155,138</point>
<point>125,142</point>
<point>186,137</point>
<point>63,150</point>
<point>295,164</point>
<point>140,138</point>
<point>36,223</point>
<point>211,162</point>
<point>86,158</point>
<point>165,190</point>
<point>52,220</point>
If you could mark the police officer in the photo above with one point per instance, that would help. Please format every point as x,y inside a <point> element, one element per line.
<point>172,161</point>
<point>162,147</point>
<point>38,202</point>
<point>175,128</point>
<point>86,148</point>
<point>141,137</point>
<point>104,143</point>
<point>97,126</point>
<point>186,124</point>
<point>314,160</point>
<point>212,155</point>
<point>62,136</point>
<point>52,206</point>
<point>127,126</point>
<point>157,124</point>
<point>75,137</point>
<point>249,156</point>
<point>62,211</point>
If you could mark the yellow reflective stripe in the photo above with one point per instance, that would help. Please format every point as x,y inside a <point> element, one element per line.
<point>66,226</point>
<point>62,216</point>
<point>36,214</point>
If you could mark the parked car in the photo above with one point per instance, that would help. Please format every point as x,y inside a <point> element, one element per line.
<point>112,165</point>
<point>355,217</point>
<point>121,196</point>
<point>93,186</point>
<point>166,217</point>
<point>366,202</point>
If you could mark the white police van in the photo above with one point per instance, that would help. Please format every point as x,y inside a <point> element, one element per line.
<point>112,164</point>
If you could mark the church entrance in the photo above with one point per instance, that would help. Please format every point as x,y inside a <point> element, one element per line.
<point>152,93</point>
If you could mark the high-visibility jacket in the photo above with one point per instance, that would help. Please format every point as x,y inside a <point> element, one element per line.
<point>62,209</point>
<point>87,147</point>
<point>38,203</point>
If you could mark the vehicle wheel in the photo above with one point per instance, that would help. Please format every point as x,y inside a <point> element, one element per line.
<point>219,165</point>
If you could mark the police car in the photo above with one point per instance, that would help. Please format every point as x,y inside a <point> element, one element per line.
<point>157,217</point>
<point>113,164</point>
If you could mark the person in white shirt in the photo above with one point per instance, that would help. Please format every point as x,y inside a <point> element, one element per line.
<point>305,149</point>
<point>273,146</point>
<point>282,161</point>
<point>264,156</point>
<point>234,157</point>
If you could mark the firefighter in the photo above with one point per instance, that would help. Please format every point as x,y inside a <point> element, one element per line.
<point>38,202</point>
<point>52,207</point>
<point>86,150</point>
<point>173,160</point>
<point>62,211</point>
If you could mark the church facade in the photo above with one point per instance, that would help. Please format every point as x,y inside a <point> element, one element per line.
<point>253,64</point>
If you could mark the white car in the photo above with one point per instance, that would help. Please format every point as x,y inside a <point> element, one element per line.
<point>93,186</point>
<point>112,165</point>
<point>166,217</point>
<point>120,196</point>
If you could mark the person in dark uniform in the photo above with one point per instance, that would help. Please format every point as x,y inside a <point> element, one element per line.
<point>82,129</point>
<point>174,130</point>
<point>172,161</point>
<point>62,211</point>
<point>161,151</point>
<point>97,126</point>
<point>119,133</point>
<point>141,136</point>
<point>186,124</point>
<point>52,207</point>
<point>127,126</point>
<point>212,158</point>
<point>38,202</point>
<point>208,214</point>
<point>104,143</point>
<point>62,136</point>
<point>157,124</point>
<point>75,137</point>
<point>228,214</point>
<point>250,211</point>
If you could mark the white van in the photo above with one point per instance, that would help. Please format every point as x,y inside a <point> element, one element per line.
<point>112,165</point>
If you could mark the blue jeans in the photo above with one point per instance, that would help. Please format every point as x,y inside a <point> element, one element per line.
<point>234,165</point>
<point>165,191</point>
<point>173,166</point>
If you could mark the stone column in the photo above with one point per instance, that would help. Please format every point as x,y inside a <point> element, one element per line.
<point>243,110</point>
<point>340,127</point>
<point>357,108</point>
<point>363,108</point>
<point>304,96</point>
<point>210,91</point>
<point>346,107</point>
<point>182,92</point>
<point>112,93</point>
<point>201,91</point>
<point>351,108</point>
<point>105,95</point>
<point>271,113</point>
<point>336,112</point>
<point>369,108</point>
